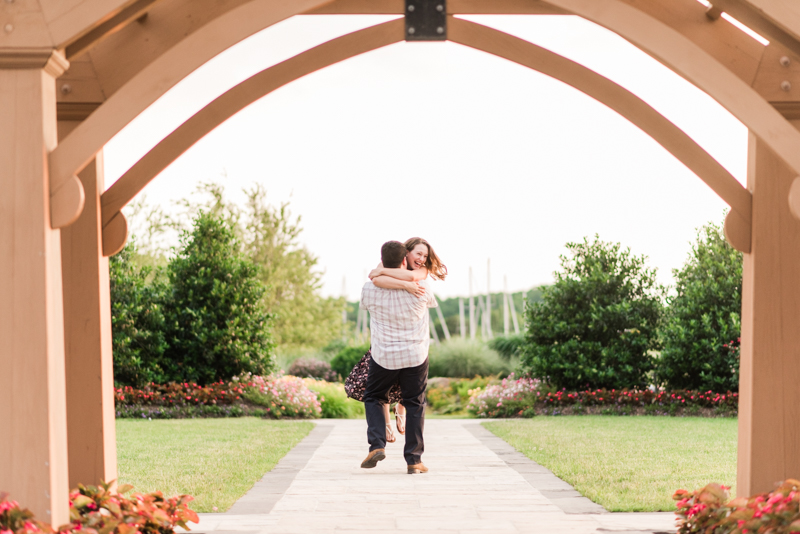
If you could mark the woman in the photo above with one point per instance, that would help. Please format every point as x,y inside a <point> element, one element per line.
<point>421,261</point>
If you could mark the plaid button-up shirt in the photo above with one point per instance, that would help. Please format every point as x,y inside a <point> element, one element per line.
<point>399,325</point>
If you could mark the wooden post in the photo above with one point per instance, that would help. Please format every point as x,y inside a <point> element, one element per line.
<point>514,312</point>
<point>488,309</point>
<point>441,321</point>
<point>769,401</point>
<point>344,309</point>
<point>461,319</point>
<point>33,418</point>
<point>506,323</point>
<point>87,336</point>
<point>471,308</point>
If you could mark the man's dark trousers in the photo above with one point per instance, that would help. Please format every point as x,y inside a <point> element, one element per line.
<point>412,381</point>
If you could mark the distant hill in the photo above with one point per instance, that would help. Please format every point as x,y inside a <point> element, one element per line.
<point>450,311</point>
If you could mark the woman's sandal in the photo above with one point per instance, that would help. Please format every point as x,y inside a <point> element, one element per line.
<point>389,434</point>
<point>400,422</point>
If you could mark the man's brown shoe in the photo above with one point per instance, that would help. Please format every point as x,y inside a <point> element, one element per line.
<point>373,458</point>
<point>417,468</point>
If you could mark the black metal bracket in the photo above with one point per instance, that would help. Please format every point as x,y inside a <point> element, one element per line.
<point>426,20</point>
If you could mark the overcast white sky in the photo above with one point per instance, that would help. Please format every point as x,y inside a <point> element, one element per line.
<point>482,157</point>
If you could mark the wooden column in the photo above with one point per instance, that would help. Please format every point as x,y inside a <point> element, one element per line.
<point>769,403</point>
<point>33,431</point>
<point>87,336</point>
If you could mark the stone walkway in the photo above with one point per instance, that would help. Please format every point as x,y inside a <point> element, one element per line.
<point>476,483</point>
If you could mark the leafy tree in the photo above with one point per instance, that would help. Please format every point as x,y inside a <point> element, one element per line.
<point>137,320</point>
<point>596,324</point>
<point>701,330</point>
<point>269,236</point>
<point>216,321</point>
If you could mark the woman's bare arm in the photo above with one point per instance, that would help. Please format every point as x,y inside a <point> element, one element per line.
<point>399,274</point>
<point>388,282</point>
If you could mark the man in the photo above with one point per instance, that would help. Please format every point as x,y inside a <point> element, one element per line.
<point>400,336</point>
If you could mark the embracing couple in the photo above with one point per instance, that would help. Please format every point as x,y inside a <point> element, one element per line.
<point>395,369</point>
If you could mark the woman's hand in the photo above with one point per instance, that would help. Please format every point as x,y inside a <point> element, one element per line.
<point>376,272</point>
<point>415,289</point>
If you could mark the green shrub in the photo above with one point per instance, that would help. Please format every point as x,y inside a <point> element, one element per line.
<point>462,358</point>
<point>451,395</point>
<point>312,368</point>
<point>701,330</point>
<point>334,401</point>
<point>137,321</point>
<point>347,358</point>
<point>596,324</point>
<point>217,326</point>
<point>508,347</point>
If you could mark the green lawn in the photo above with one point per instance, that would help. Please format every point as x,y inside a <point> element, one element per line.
<point>628,464</point>
<point>215,460</point>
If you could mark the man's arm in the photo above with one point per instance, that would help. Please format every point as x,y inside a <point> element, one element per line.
<point>365,300</point>
<point>387,282</point>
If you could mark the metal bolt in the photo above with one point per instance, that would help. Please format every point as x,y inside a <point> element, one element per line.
<point>47,464</point>
<point>440,8</point>
<point>440,30</point>
<point>785,61</point>
<point>66,89</point>
<point>411,8</point>
<point>786,86</point>
<point>9,28</point>
<point>48,512</point>
<point>411,30</point>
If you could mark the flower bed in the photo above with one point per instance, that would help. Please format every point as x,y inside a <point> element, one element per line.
<point>274,396</point>
<point>98,510</point>
<point>525,397</point>
<point>450,396</point>
<point>708,510</point>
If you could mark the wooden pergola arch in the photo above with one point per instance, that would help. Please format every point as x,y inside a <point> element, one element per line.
<point>477,36</point>
<point>75,72</point>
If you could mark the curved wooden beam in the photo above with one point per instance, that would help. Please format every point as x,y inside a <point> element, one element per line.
<point>630,106</point>
<point>75,151</point>
<point>696,66</point>
<point>466,33</point>
<point>239,97</point>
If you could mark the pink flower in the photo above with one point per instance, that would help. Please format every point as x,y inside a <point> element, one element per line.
<point>8,505</point>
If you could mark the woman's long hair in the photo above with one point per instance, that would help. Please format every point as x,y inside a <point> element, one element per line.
<point>436,268</point>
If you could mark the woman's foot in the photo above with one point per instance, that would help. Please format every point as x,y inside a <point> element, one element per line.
<point>389,434</point>
<point>400,419</point>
